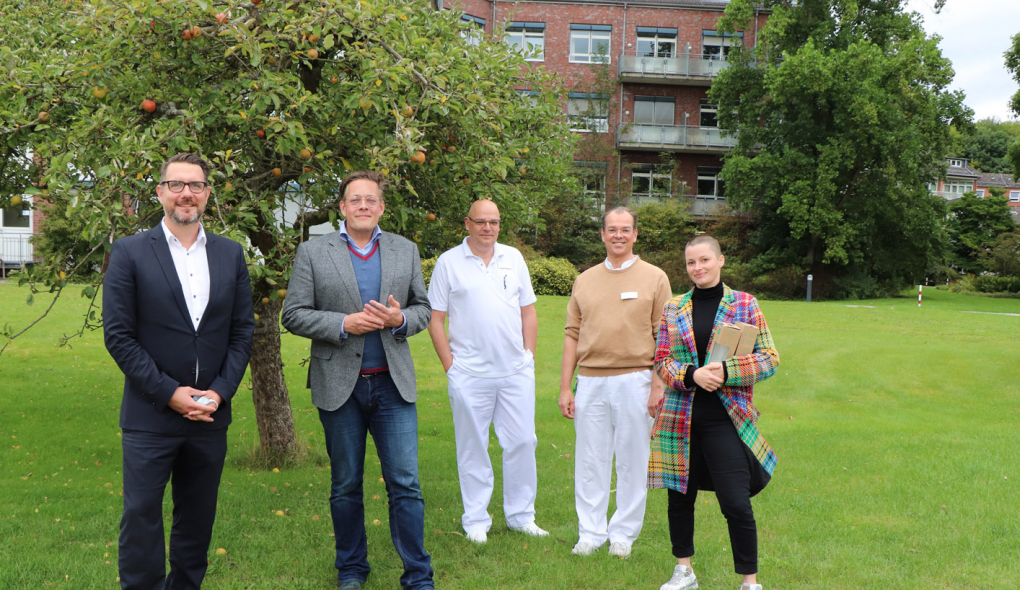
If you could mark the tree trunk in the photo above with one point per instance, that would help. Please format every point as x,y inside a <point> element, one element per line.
<point>269,390</point>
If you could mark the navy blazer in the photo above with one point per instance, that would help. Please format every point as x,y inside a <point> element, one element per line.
<point>149,333</point>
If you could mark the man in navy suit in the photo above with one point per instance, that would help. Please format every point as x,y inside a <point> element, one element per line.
<point>178,320</point>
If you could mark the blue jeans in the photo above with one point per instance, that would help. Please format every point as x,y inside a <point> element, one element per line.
<point>376,406</point>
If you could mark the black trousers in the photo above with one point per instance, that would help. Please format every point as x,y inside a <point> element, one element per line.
<point>192,461</point>
<point>718,460</point>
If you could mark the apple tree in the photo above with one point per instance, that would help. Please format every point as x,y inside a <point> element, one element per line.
<point>283,98</point>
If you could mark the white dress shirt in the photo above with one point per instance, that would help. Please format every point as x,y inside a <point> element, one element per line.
<point>192,265</point>
<point>625,264</point>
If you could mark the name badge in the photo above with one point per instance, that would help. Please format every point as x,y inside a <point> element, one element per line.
<point>628,295</point>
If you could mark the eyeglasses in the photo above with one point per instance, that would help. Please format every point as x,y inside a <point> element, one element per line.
<point>623,231</point>
<point>177,186</point>
<point>483,222</point>
<point>356,201</point>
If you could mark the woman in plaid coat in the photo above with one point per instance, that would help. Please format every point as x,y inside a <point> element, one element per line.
<point>705,435</point>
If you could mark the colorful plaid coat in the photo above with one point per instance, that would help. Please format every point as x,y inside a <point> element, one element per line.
<point>675,355</point>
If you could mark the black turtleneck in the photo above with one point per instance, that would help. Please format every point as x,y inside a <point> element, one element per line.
<point>704,305</point>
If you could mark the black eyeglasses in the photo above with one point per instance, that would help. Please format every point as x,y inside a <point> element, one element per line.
<point>177,186</point>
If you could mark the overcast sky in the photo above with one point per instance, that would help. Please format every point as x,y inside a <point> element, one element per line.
<point>975,34</point>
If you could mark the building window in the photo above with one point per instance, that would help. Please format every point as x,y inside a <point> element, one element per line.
<point>528,38</point>
<point>957,163</point>
<point>473,35</point>
<point>531,96</point>
<point>656,42</point>
<point>646,182</point>
<point>957,188</point>
<point>654,110</point>
<point>709,114</point>
<point>1014,196</point>
<point>588,112</point>
<point>716,45</point>
<point>590,43</point>
<point>980,193</point>
<point>18,216</point>
<point>709,185</point>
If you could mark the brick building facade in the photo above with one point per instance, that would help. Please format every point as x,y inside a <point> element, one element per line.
<point>659,58</point>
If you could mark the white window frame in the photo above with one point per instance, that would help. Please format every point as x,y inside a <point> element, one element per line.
<point>716,46</point>
<point>26,206</point>
<point>957,187</point>
<point>1014,196</point>
<point>591,36</point>
<point>517,34</point>
<point>707,108</point>
<point>658,37</point>
<point>980,192</point>
<point>653,177</point>
<point>957,163</point>
<point>656,101</point>
<point>718,186</point>
<point>473,36</point>
<point>585,116</point>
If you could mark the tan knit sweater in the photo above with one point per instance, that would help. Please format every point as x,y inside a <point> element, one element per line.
<point>616,335</point>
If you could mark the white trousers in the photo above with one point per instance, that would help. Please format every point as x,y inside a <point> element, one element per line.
<point>611,417</point>
<point>508,403</point>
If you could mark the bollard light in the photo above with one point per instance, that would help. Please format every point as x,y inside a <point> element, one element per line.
<point>809,279</point>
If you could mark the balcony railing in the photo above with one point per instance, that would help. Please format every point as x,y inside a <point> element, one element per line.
<point>698,206</point>
<point>686,138</point>
<point>15,250</point>
<point>685,68</point>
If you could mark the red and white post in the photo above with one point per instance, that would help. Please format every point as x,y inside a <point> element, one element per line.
<point>919,287</point>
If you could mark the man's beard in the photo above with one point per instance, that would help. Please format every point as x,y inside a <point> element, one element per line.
<point>177,218</point>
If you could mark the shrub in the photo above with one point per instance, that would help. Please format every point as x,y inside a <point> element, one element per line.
<point>675,267</point>
<point>552,276</point>
<point>663,227</point>
<point>427,266</point>
<point>994,284</point>
<point>780,283</point>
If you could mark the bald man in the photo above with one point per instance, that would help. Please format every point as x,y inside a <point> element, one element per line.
<point>489,360</point>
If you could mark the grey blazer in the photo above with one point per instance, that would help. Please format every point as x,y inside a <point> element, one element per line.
<point>323,290</point>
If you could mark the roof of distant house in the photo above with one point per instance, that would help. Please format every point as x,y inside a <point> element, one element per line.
<point>719,4</point>
<point>964,171</point>
<point>998,180</point>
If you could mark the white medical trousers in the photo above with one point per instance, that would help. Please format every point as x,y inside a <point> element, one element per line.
<point>611,417</point>
<point>508,403</point>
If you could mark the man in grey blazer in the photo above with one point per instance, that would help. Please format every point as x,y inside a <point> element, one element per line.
<point>358,294</point>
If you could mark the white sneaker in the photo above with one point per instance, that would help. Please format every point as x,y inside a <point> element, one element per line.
<point>750,587</point>
<point>584,548</point>
<point>683,579</point>
<point>621,550</point>
<point>531,529</point>
<point>477,536</point>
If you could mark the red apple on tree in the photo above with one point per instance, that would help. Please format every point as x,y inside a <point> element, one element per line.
<point>221,18</point>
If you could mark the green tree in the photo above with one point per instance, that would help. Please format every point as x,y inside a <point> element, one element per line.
<point>987,145</point>
<point>284,99</point>
<point>975,227</point>
<point>1013,65</point>
<point>1004,257</point>
<point>843,113</point>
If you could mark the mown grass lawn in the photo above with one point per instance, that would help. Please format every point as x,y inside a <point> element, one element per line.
<point>895,427</point>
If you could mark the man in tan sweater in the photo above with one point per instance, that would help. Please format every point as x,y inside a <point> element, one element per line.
<point>612,319</point>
